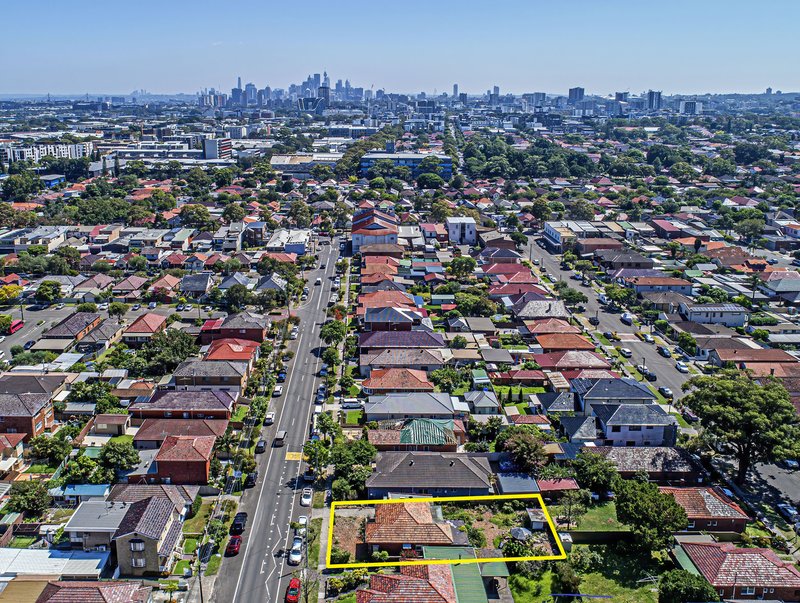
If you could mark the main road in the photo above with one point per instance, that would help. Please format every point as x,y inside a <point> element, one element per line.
<point>668,375</point>
<point>260,573</point>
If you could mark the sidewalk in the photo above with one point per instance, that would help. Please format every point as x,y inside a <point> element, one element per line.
<point>193,594</point>
<point>324,513</point>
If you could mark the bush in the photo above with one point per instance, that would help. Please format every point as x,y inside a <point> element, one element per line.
<point>195,508</point>
<point>339,556</point>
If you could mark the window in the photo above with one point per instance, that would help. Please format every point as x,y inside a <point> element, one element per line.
<point>690,525</point>
<point>615,429</point>
<point>137,545</point>
<point>748,590</point>
<point>138,562</point>
<point>634,428</point>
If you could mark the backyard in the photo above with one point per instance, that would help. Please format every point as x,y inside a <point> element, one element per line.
<point>601,517</point>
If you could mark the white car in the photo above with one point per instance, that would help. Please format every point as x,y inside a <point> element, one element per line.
<point>296,553</point>
<point>2,338</point>
<point>293,335</point>
<point>649,338</point>
<point>306,497</point>
<point>59,306</point>
<point>103,306</point>
<point>302,524</point>
<point>681,366</point>
<point>625,352</point>
<point>269,419</point>
<point>642,368</point>
<point>278,391</point>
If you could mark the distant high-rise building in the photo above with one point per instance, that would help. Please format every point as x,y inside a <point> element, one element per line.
<point>455,90</point>
<point>575,95</point>
<point>690,107</point>
<point>324,93</point>
<point>621,97</point>
<point>538,99</point>
<point>768,91</point>
<point>496,91</point>
<point>654,100</point>
<point>462,98</point>
<point>326,81</point>
<point>239,82</point>
<point>250,94</point>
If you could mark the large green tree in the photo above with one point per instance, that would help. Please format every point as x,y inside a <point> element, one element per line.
<point>595,472</point>
<point>680,586</point>
<point>29,497</point>
<point>652,515</point>
<point>756,420</point>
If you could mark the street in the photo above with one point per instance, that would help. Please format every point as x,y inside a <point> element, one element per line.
<point>260,571</point>
<point>643,352</point>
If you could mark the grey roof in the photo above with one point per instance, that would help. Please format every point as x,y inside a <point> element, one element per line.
<point>430,470</point>
<point>103,332</point>
<point>11,383</point>
<point>579,427</point>
<point>548,308</point>
<point>72,325</point>
<point>210,368</point>
<point>148,517</point>
<point>400,339</point>
<point>22,405</point>
<point>516,483</point>
<point>179,496</point>
<point>237,278</point>
<point>245,320</point>
<point>197,282</point>
<point>633,414</point>
<point>482,399</point>
<point>557,401</point>
<point>175,400</point>
<point>716,308</point>
<point>497,355</point>
<point>410,403</point>
<point>653,459</point>
<point>402,357</point>
<point>609,388</point>
<point>97,516</point>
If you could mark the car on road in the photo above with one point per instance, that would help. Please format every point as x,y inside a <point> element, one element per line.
<point>306,497</point>
<point>593,320</point>
<point>681,366</point>
<point>309,475</point>
<point>269,419</point>
<point>251,479</point>
<point>790,464</point>
<point>180,307</point>
<point>665,391</point>
<point>626,318</point>
<point>648,338</point>
<point>318,281</point>
<point>650,376</point>
<point>135,307</point>
<point>103,306</point>
<point>234,544</point>
<point>293,591</point>
<point>239,523</point>
<point>29,344</point>
<point>787,510</point>
<point>296,552</point>
<point>302,524</point>
<point>664,351</point>
<point>152,305</point>
<point>624,352</point>
<point>261,446</point>
<point>772,261</point>
<point>60,306</point>
<point>281,377</point>
<point>689,416</point>
<point>278,391</point>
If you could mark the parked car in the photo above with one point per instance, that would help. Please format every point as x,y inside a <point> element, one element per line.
<point>787,510</point>
<point>188,307</point>
<point>790,464</point>
<point>281,377</point>
<point>664,351</point>
<point>642,368</point>
<point>293,591</point>
<point>29,344</point>
<point>239,523</point>
<point>296,552</point>
<point>302,524</point>
<point>269,419</point>
<point>648,338</point>
<point>278,391</point>
<point>650,376</point>
<point>681,366</point>
<point>59,306</point>
<point>689,416</point>
<point>308,475</point>
<point>251,479</point>
<point>626,319</point>
<point>180,307</point>
<point>152,305</point>
<point>625,352</point>
<point>306,497</point>
<point>234,544</point>
<point>593,320</point>
<point>665,391</point>
<point>261,446</point>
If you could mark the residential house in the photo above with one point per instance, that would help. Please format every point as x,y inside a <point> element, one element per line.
<point>663,464</point>
<point>102,337</point>
<point>483,402</point>
<point>185,459</point>
<point>611,259</point>
<point>430,473</point>
<point>653,284</point>
<point>74,327</point>
<point>215,404</point>
<point>709,509</point>
<point>372,226</point>
<point>165,288</point>
<point>196,286</point>
<point>181,496</point>
<point>94,523</point>
<point>438,435</point>
<point>10,452</point>
<point>730,315</point>
<point>147,537</point>
<point>243,325</point>
<point>592,393</point>
<point>376,340</point>
<point>427,360</point>
<point>384,381</point>
<point>26,414</point>
<point>204,375</point>
<point>131,289</point>
<point>403,528</point>
<point>143,328</point>
<point>152,432</point>
<point>750,357</point>
<point>428,405</point>
<point>87,592</point>
<point>234,350</point>
<point>417,584</point>
<point>635,425</point>
<point>461,230</point>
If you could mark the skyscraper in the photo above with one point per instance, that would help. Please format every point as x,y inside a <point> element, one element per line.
<point>250,94</point>
<point>324,93</point>
<point>455,90</point>
<point>575,95</point>
<point>496,91</point>
<point>653,100</point>
<point>621,97</point>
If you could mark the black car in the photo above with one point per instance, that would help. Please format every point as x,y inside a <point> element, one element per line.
<point>664,351</point>
<point>251,479</point>
<point>261,446</point>
<point>650,376</point>
<point>593,320</point>
<point>29,344</point>
<point>239,523</point>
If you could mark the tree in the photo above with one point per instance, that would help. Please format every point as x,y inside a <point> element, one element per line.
<point>5,323</point>
<point>595,472</point>
<point>48,292</point>
<point>572,297</point>
<point>541,209</point>
<point>195,216</point>
<point>573,505</point>
<point>98,393</point>
<point>300,212</point>
<point>30,497</point>
<point>680,586</point>
<point>9,293</point>
<point>440,211</point>
<point>234,213</point>
<point>527,450</point>
<point>137,263</point>
<point>757,421</point>
<point>652,515</point>
<point>53,449</point>
<point>621,296</point>
<point>18,187</point>
<point>333,332</point>
<point>462,266</point>
<point>237,297</point>
<point>330,356</point>
<point>750,228</point>
<point>581,210</point>
<point>118,455</point>
<point>564,582</point>
<point>430,181</point>
<point>459,342</point>
<point>318,455</point>
<point>118,309</point>
<point>166,350</point>
<point>86,307</point>
<point>687,343</point>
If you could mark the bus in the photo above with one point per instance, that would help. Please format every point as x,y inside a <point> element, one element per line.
<point>16,325</point>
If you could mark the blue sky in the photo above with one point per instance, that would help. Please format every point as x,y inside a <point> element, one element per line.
<point>168,46</point>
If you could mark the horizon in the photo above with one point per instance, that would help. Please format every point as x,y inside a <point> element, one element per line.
<point>689,49</point>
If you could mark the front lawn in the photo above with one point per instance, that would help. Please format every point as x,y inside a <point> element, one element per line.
<point>502,390</point>
<point>181,567</point>
<point>41,468</point>
<point>189,545</point>
<point>197,524</point>
<point>314,529</point>
<point>212,567</point>
<point>318,502</point>
<point>240,414</point>
<point>353,417</point>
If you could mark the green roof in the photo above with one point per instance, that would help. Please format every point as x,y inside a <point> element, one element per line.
<point>683,560</point>
<point>432,432</point>
<point>466,576</point>
<point>495,569</point>
<point>693,273</point>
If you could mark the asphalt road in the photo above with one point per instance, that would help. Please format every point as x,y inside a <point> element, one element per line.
<point>664,368</point>
<point>260,571</point>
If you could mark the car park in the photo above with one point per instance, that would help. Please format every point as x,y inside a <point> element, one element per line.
<point>269,419</point>
<point>306,497</point>
<point>278,391</point>
<point>682,367</point>
<point>234,544</point>
<point>239,523</point>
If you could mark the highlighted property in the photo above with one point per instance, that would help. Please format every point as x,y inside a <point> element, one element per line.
<point>441,531</point>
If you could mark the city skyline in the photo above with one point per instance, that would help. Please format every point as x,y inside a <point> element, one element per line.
<point>556,49</point>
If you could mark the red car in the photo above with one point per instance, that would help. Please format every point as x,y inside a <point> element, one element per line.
<point>293,591</point>
<point>234,544</point>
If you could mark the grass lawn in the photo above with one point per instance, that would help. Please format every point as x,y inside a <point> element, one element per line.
<point>189,545</point>
<point>21,542</point>
<point>318,502</point>
<point>602,339</point>
<point>521,406</point>
<point>314,529</point>
<point>353,391</point>
<point>601,517</point>
<point>241,412</point>
<point>213,564</point>
<point>526,391</point>
<point>352,417</point>
<point>122,438</point>
<point>351,598</point>
<point>197,524</point>
<point>41,468</point>
<point>681,421</point>
<point>180,567</point>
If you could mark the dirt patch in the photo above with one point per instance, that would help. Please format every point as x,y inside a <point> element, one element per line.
<point>348,533</point>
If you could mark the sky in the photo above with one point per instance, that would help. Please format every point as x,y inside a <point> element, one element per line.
<point>171,46</point>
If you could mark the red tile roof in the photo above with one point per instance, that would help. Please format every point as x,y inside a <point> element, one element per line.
<point>232,349</point>
<point>564,341</point>
<point>406,523</point>
<point>398,379</point>
<point>414,584</point>
<point>149,322</point>
<point>186,448</point>
<point>706,503</point>
<point>725,565</point>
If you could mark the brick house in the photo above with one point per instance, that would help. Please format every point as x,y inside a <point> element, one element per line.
<point>384,381</point>
<point>28,414</point>
<point>143,328</point>
<point>187,405</point>
<point>146,538</point>
<point>153,432</point>
<point>74,327</point>
<point>244,325</point>
<point>185,459</point>
<point>709,509</point>
<point>193,375</point>
<point>420,584</point>
<point>404,527</point>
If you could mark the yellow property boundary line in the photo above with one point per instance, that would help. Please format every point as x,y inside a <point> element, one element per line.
<point>496,497</point>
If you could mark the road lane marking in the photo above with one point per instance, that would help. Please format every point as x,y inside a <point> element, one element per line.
<point>294,456</point>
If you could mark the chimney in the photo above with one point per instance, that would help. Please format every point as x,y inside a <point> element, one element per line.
<point>452,463</point>
<point>411,462</point>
